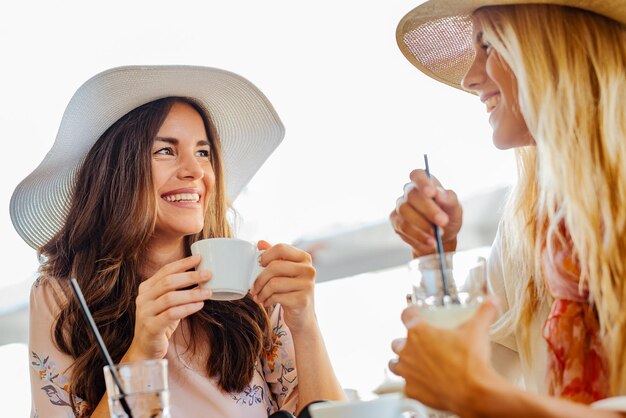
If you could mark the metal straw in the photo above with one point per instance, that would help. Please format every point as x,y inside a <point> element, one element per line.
<point>92,324</point>
<point>444,277</point>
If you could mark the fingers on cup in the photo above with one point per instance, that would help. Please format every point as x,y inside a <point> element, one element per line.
<point>179,312</point>
<point>396,367</point>
<point>410,316</point>
<point>284,252</point>
<point>284,268</point>
<point>182,280</point>
<point>398,344</point>
<point>276,286</point>
<point>179,298</point>
<point>263,245</point>
<point>174,282</point>
<point>177,266</point>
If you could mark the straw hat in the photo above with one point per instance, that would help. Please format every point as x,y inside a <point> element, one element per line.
<point>248,127</point>
<point>436,36</point>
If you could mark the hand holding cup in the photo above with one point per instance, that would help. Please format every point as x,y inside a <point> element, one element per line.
<point>170,295</point>
<point>288,278</point>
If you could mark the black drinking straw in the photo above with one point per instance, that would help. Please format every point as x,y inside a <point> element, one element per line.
<point>444,277</point>
<point>92,324</point>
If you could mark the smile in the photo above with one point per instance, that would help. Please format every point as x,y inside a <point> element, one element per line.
<point>182,197</point>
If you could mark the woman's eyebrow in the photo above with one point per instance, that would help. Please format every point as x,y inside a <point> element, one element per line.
<point>174,141</point>
<point>167,139</point>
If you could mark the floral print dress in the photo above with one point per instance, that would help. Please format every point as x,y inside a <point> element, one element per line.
<point>192,393</point>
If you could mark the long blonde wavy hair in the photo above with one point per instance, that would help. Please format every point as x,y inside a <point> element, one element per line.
<point>572,94</point>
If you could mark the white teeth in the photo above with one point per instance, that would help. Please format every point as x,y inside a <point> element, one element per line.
<point>492,102</point>
<point>183,197</point>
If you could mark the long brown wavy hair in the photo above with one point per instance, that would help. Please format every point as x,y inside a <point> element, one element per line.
<point>102,244</point>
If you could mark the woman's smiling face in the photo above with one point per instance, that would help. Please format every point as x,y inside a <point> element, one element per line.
<point>492,79</point>
<point>182,172</point>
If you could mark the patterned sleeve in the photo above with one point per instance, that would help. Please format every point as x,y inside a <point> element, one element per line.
<point>279,364</point>
<point>49,366</point>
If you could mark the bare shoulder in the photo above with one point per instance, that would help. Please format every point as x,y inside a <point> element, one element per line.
<point>48,293</point>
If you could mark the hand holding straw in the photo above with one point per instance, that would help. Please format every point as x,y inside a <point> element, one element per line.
<point>444,277</point>
<point>92,324</point>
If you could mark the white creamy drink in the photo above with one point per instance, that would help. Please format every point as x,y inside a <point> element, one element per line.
<point>449,316</point>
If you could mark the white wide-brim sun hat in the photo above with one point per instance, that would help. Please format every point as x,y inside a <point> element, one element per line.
<point>436,36</point>
<point>248,128</point>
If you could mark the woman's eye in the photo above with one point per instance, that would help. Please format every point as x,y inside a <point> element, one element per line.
<point>164,151</point>
<point>204,153</point>
<point>486,46</point>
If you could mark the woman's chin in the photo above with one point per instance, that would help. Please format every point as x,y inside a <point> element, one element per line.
<point>178,232</point>
<point>501,144</point>
<point>504,142</point>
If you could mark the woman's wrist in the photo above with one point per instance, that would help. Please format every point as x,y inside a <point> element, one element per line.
<point>133,354</point>
<point>305,328</point>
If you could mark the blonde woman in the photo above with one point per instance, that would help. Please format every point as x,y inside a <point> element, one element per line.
<point>147,161</point>
<point>553,79</point>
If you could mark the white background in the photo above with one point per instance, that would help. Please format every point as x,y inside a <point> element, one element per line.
<point>358,116</point>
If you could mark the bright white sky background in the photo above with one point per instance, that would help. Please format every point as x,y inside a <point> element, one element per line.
<point>358,115</point>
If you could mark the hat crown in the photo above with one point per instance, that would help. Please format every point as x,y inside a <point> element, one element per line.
<point>436,35</point>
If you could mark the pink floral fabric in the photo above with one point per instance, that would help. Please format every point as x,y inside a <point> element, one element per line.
<point>577,366</point>
<point>193,394</point>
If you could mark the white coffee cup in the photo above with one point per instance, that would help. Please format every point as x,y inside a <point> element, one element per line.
<point>387,406</point>
<point>233,262</point>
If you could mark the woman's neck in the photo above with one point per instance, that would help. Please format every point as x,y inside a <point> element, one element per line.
<point>161,252</point>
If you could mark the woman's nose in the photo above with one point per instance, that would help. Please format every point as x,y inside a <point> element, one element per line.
<point>190,168</point>
<point>476,74</point>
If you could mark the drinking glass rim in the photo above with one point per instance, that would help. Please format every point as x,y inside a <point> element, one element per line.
<point>148,362</point>
<point>448,256</point>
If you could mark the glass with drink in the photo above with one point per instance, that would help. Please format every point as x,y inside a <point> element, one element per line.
<point>448,298</point>
<point>145,389</point>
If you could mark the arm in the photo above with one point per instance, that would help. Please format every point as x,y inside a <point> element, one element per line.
<point>506,400</point>
<point>288,280</point>
<point>316,377</point>
<point>450,370</point>
<point>49,376</point>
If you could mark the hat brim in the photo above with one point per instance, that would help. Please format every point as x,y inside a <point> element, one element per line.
<point>436,36</point>
<point>247,125</point>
